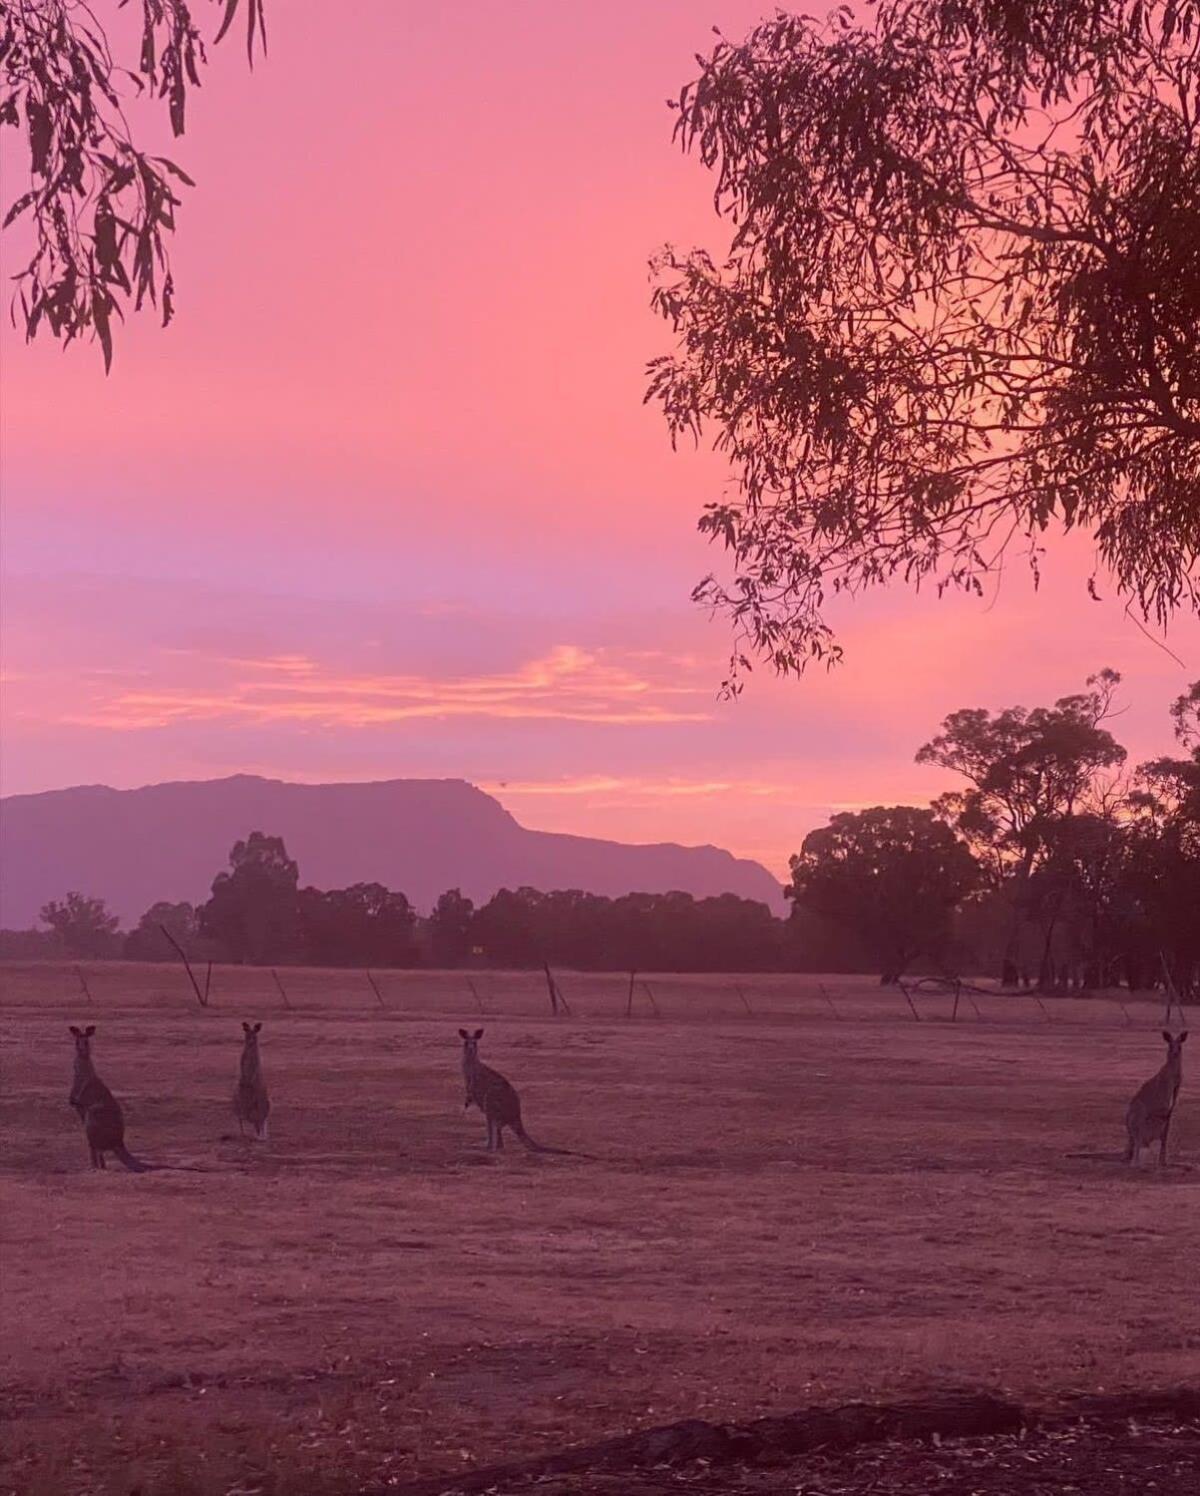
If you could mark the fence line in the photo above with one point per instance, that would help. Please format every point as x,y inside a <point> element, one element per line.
<point>595,997</point>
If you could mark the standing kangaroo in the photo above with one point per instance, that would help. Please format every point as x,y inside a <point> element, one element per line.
<point>1148,1119</point>
<point>250,1101</point>
<point>99,1111</point>
<point>496,1098</point>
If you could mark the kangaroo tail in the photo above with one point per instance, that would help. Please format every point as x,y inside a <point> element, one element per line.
<point>140,1166</point>
<point>535,1147</point>
<point>135,1165</point>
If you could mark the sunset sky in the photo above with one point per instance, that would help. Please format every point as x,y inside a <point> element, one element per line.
<point>384,500</point>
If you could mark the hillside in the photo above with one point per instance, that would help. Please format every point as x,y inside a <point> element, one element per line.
<point>421,836</point>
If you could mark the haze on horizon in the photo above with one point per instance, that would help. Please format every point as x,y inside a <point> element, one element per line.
<point>384,500</point>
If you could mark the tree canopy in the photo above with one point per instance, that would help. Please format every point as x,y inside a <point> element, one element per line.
<point>894,874</point>
<point>254,909</point>
<point>99,206</point>
<point>1026,770</point>
<point>960,308</point>
<point>82,925</point>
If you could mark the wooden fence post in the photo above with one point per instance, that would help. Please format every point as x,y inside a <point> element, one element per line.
<point>282,988</point>
<point>201,997</point>
<point>829,1000</point>
<point>557,1000</point>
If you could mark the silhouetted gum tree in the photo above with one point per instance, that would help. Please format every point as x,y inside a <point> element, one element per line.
<point>450,928</point>
<point>82,925</point>
<point>254,909</point>
<point>961,304</point>
<point>99,208</point>
<point>363,925</point>
<point>893,874</point>
<point>1027,772</point>
<point>146,942</point>
<point>1164,852</point>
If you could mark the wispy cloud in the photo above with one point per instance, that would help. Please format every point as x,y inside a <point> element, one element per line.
<point>623,787</point>
<point>568,683</point>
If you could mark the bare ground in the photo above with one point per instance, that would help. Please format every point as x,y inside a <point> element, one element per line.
<point>1162,1458</point>
<point>785,1208</point>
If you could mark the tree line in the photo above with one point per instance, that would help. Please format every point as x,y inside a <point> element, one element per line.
<point>1054,863</point>
<point>259,914</point>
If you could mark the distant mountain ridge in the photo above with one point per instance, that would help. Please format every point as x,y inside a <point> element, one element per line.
<point>420,836</point>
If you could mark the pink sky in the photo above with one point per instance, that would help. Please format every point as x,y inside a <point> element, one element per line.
<point>384,501</point>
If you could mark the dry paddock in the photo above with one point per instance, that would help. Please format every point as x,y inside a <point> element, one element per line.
<point>796,1193</point>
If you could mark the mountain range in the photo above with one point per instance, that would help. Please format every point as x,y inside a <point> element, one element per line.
<point>419,836</point>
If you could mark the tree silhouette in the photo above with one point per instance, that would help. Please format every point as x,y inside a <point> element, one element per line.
<point>1164,861</point>
<point>254,908</point>
<point>450,928</point>
<point>961,306</point>
<point>1027,773</point>
<point>146,942</point>
<point>82,924</point>
<point>363,925</point>
<point>99,207</point>
<point>892,874</point>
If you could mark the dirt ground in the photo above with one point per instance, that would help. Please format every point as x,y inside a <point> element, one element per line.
<point>1069,1460</point>
<point>798,1195</point>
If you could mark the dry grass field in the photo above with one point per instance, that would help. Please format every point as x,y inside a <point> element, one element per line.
<point>815,1200</point>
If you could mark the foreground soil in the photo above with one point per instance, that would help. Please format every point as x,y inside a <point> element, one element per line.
<point>1158,1458</point>
<point>782,1208</point>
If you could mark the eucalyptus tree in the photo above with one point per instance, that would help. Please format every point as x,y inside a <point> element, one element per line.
<point>958,310</point>
<point>97,206</point>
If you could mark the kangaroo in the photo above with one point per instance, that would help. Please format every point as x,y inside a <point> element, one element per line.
<point>250,1101</point>
<point>1148,1119</point>
<point>99,1111</point>
<point>496,1098</point>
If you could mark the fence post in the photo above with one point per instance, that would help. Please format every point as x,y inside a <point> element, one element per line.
<point>278,983</point>
<point>87,991</point>
<point>201,997</point>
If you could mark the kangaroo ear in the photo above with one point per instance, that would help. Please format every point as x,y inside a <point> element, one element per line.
<point>258,1028</point>
<point>89,1031</point>
<point>1183,1036</point>
<point>245,1027</point>
<point>79,1032</point>
<point>462,1033</point>
<point>1167,1035</point>
<point>479,1033</point>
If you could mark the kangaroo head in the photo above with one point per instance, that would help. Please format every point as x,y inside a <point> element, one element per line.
<point>1174,1044</point>
<point>250,1033</point>
<point>83,1040</point>
<point>471,1043</point>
